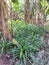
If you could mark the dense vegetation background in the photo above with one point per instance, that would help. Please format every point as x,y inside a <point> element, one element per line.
<point>24,32</point>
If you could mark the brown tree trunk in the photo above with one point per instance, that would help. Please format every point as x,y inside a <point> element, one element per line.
<point>38,14</point>
<point>4,20</point>
<point>37,11</point>
<point>27,11</point>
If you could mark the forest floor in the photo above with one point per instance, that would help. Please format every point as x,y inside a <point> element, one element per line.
<point>45,48</point>
<point>6,61</point>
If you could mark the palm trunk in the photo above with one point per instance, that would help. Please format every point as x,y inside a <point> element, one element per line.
<point>27,11</point>
<point>37,11</point>
<point>4,20</point>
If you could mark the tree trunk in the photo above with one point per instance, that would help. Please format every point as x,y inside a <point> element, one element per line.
<point>37,11</point>
<point>38,14</point>
<point>4,19</point>
<point>27,11</point>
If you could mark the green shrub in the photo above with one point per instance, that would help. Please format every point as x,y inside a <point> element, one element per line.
<point>5,46</point>
<point>29,33</point>
<point>27,41</point>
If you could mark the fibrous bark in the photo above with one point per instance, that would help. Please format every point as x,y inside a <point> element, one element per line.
<point>27,11</point>
<point>4,15</point>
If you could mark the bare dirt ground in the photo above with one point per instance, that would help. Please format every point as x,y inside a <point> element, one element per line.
<point>4,62</point>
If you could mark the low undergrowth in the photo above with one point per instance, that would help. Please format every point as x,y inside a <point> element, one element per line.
<point>27,41</point>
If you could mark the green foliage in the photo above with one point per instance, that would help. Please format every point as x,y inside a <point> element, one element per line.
<point>2,46</point>
<point>44,5</point>
<point>15,1</point>
<point>27,41</point>
<point>5,46</point>
<point>15,4</point>
<point>0,34</point>
<point>20,26</point>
